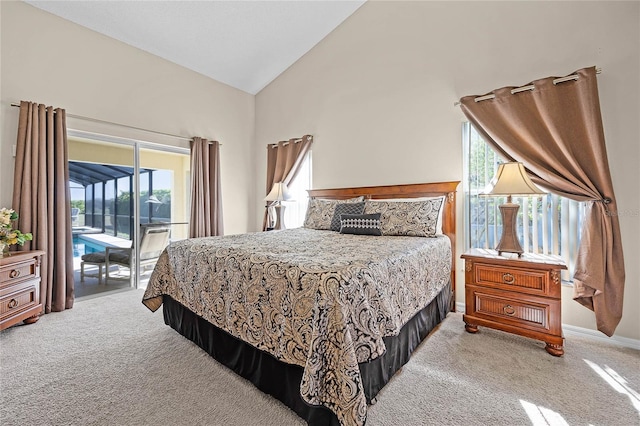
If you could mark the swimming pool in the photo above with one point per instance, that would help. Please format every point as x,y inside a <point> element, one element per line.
<point>82,246</point>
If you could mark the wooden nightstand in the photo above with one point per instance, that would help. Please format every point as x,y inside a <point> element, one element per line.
<point>20,288</point>
<point>517,295</point>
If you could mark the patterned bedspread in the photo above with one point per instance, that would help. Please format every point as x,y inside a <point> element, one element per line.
<point>318,299</point>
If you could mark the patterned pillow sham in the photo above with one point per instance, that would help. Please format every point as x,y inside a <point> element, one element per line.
<point>407,218</point>
<point>361,224</point>
<point>345,208</point>
<point>320,212</point>
<point>404,200</point>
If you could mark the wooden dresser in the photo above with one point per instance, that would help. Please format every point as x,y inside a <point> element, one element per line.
<point>20,288</point>
<point>517,295</point>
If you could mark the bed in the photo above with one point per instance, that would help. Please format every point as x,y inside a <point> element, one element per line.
<point>319,319</point>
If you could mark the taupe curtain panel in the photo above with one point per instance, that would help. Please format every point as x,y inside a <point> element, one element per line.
<point>42,199</point>
<point>556,131</point>
<point>283,164</point>
<point>206,192</point>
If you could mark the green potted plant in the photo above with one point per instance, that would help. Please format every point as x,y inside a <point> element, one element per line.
<point>8,235</point>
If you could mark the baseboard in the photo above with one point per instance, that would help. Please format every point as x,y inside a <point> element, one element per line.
<point>596,335</point>
<point>587,333</point>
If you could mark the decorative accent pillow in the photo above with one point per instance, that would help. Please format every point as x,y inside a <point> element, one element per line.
<point>361,224</point>
<point>408,218</point>
<point>345,208</point>
<point>320,212</point>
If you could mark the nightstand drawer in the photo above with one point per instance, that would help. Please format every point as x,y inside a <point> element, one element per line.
<point>20,288</point>
<point>18,271</point>
<point>533,313</point>
<point>18,298</point>
<point>511,279</point>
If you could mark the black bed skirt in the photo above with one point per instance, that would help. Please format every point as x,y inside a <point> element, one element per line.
<point>282,380</point>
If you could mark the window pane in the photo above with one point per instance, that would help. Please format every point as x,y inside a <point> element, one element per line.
<point>109,206</point>
<point>296,209</point>
<point>88,205</point>
<point>97,205</point>
<point>161,181</point>
<point>124,208</point>
<point>164,190</point>
<point>145,207</point>
<point>548,225</point>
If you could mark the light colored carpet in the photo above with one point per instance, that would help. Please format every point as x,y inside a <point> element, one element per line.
<point>110,361</point>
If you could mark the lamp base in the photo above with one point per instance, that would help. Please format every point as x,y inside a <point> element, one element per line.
<point>509,240</point>
<point>279,217</point>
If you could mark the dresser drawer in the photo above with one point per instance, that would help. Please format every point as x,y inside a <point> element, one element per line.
<point>533,313</point>
<point>18,298</point>
<point>19,271</point>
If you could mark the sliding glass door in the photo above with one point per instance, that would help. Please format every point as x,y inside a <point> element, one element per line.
<point>121,191</point>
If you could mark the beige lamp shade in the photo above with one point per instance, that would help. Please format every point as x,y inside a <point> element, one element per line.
<point>279,192</point>
<point>511,179</point>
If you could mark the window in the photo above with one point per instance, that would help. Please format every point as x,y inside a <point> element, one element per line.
<point>548,225</point>
<point>296,209</point>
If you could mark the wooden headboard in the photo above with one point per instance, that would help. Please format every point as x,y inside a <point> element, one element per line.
<point>448,189</point>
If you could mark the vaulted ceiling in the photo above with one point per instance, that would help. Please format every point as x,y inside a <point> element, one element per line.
<point>245,44</point>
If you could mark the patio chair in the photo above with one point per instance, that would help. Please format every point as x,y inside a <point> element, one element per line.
<point>153,240</point>
<point>95,259</point>
<point>75,212</point>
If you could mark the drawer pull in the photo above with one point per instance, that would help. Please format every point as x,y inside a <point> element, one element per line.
<point>508,278</point>
<point>508,309</point>
<point>12,303</point>
<point>14,273</point>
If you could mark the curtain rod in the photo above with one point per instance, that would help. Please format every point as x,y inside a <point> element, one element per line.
<point>81,117</point>
<point>528,87</point>
<point>275,145</point>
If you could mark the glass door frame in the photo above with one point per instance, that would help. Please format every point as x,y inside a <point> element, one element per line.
<point>137,145</point>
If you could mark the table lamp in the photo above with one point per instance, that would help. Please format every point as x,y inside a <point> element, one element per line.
<point>511,179</point>
<point>279,193</point>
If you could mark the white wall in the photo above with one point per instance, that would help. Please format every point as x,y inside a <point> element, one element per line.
<point>49,60</point>
<point>378,94</point>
